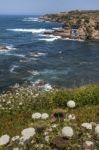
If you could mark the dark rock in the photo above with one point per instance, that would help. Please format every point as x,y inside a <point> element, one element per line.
<point>59,143</point>
<point>3,47</point>
<point>58,114</point>
<point>40,127</point>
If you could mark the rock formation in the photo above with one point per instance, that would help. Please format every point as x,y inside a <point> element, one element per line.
<point>76,24</point>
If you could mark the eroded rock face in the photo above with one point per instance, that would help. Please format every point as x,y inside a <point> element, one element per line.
<point>87,23</point>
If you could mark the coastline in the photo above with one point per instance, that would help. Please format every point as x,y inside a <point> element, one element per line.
<point>38,116</point>
<point>81,25</point>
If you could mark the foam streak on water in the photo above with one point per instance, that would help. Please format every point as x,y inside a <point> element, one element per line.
<point>30,30</point>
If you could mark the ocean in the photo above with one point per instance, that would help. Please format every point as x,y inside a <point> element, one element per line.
<point>34,57</point>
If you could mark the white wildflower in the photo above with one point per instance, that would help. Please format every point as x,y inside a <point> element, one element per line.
<point>16,148</point>
<point>44,116</point>
<point>67,132</point>
<point>5,139</point>
<point>47,138</point>
<point>89,143</point>
<point>15,138</point>
<point>40,146</point>
<point>46,133</point>
<point>71,104</point>
<point>87,125</point>
<point>8,102</point>
<point>97,129</point>
<point>54,125</point>
<point>28,133</point>
<point>20,104</point>
<point>3,100</point>
<point>71,117</point>
<point>36,95</point>
<point>36,115</point>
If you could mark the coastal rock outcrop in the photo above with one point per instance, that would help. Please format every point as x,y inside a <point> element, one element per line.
<point>76,24</point>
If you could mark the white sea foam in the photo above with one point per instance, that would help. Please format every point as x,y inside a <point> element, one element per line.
<point>34,72</point>
<point>41,30</point>
<point>10,47</point>
<point>51,39</point>
<point>26,59</point>
<point>37,54</point>
<point>79,40</point>
<point>57,28</point>
<point>48,35</point>
<point>40,84</point>
<point>17,55</point>
<point>31,19</point>
<point>12,69</point>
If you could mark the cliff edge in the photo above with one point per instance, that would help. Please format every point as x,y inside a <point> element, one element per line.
<point>76,24</point>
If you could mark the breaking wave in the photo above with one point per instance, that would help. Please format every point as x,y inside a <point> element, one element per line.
<point>34,73</point>
<point>12,69</point>
<point>37,54</point>
<point>30,30</point>
<point>17,55</point>
<point>40,84</point>
<point>57,28</point>
<point>32,19</point>
<point>5,49</point>
<point>50,39</point>
<point>79,40</point>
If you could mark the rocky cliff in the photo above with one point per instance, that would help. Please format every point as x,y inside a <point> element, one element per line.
<point>76,24</point>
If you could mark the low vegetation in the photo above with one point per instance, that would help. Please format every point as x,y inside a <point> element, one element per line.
<point>17,112</point>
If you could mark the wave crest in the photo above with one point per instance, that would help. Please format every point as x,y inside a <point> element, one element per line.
<point>41,30</point>
<point>50,39</point>
<point>31,19</point>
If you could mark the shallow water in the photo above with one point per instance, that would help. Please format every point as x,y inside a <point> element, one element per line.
<point>33,56</point>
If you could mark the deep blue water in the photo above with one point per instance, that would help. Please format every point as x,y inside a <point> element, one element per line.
<point>33,56</point>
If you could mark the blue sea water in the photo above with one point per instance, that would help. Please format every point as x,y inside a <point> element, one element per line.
<point>33,56</point>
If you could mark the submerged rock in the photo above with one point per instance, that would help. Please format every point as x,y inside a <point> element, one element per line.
<point>3,48</point>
